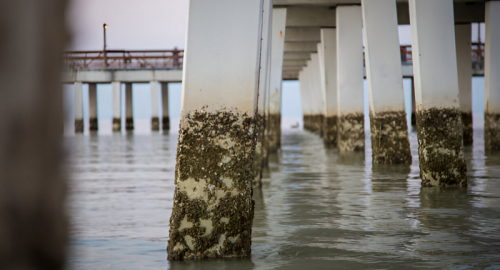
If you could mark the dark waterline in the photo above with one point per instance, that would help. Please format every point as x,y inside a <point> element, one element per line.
<point>317,209</point>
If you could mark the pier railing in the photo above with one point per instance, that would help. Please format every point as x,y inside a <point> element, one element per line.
<point>121,59</point>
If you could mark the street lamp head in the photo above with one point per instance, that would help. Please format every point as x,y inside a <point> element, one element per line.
<point>105,26</point>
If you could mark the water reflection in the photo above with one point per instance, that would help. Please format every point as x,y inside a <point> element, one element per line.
<point>317,209</point>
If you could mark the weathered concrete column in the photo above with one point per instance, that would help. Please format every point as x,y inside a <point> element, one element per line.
<point>492,78</point>
<point>439,122</point>
<point>267,97</point>
<point>308,107</point>
<point>464,65</point>
<point>329,48</point>
<point>389,129</point>
<point>304,96</point>
<point>93,123</point>
<point>117,105</point>
<point>263,86</point>
<point>277,49</point>
<point>413,118</point>
<point>129,111</point>
<point>165,120</point>
<point>213,209</point>
<point>155,105</point>
<point>351,134</point>
<point>33,224</point>
<point>318,97</point>
<point>78,107</point>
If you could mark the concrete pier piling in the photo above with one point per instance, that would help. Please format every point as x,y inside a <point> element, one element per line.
<point>263,87</point>
<point>93,123</point>
<point>329,52</point>
<point>78,107</point>
<point>464,64</point>
<point>351,133</point>
<point>129,111</point>
<point>305,98</point>
<point>318,97</point>
<point>213,208</point>
<point>117,105</point>
<point>389,130</point>
<point>165,119</point>
<point>492,78</point>
<point>439,121</point>
<point>155,105</point>
<point>277,49</point>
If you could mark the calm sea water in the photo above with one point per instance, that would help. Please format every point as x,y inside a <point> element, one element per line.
<point>317,209</point>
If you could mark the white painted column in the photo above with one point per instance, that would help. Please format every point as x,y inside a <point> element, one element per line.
<point>267,95</point>
<point>389,129</point>
<point>277,49</point>
<point>492,77</point>
<point>329,48</point>
<point>93,126</point>
<point>439,124</point>
<point>322,96</point>
<point>155,105</point>
<point>117,105</point>
<point>165,121</point>
<point>129,111</point>
<point>351,135</point>
<point>263,86</point>
<point>78,107</point>
<point>304,96</point>
<point>217,132</point>
<point>464,65</point>
<point>318,109</point>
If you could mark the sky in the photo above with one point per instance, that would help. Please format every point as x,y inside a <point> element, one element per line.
<point>162,24</point>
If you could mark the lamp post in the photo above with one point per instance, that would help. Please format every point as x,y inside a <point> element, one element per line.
<point>104,26</point>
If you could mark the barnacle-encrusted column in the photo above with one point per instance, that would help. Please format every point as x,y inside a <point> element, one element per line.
<point>439,122</point>
<point>277,49</point>
<point>263,86</point>
<point>464,64</point>
<point>165,119</point>
<point>329,52</point>
<point>318,97</point>
<point>389,130</point>
<point>304,96</point>
<point>93,125</point>
<point>117,105</point>
<point>492,78</point>
<point>129,111</point>
<point>78,107</point>
<point>351,133</point>
<point>155,105</point>
<point>213,208</point>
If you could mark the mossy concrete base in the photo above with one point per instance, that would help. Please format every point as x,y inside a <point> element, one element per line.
<point>265,143</point>
<point>307,123</point>
<point>78,125</point>
<point>117,124</point>
<point>274,133</point>
<point>259,130</point>
<point>129,123</point>
<point>413,119</point>
<point>330,130</point>
<point>165,123</point>
<point>351,135</point>
<point>155,123</point>
<point>389,136</point>
<point>93,126</point>
<point>319,120</point>
<point>440,147</point>
<point>467,128</point>
<point>213,208</point>
<point>492,132</point>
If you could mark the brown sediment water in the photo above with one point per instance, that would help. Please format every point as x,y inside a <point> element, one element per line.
<point>389,137</point>
<point>317,209</point>
<point>440,147</point>
<point>492,132</point>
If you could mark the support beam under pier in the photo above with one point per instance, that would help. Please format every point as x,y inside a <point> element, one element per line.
<point>117,105</point>
<point>329,43</point>
<point>129,111</point>
<point>439,122</point>
<point>213,210</point>
<point>351,134</point>
<point>464,64</point>
<point>78,107</point>
<point>165,119</point>
<point>155,105</point>
<point>277,48</point>
<point>389,129</point>
<point>492,77</point>
<point>93,123</point>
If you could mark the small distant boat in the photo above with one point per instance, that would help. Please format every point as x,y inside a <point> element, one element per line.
<point>296,125</point>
